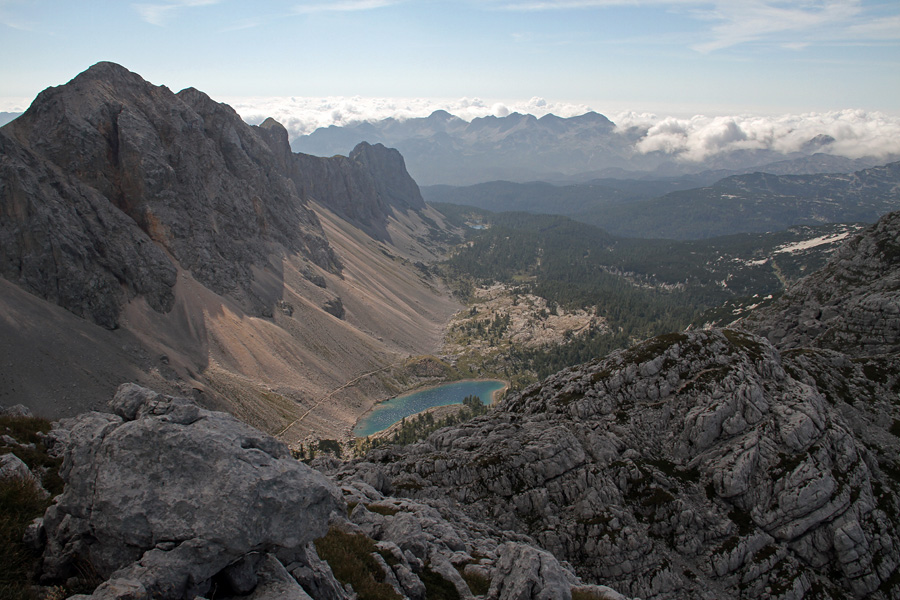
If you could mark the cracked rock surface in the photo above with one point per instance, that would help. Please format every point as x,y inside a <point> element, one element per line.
<point>703,464</point>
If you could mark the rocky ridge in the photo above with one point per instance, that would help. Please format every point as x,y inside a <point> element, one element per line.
<point>705,464</point>
<point>99,168</point>
<point>168,501</point>
<point>851,305</point>
<point>218,263</point>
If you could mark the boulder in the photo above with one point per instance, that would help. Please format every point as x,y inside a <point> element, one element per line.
<point>170,495</point>
<point>527,573</point>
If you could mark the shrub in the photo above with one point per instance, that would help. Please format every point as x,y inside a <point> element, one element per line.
<point>351,560</point>
<point>20,502</point>
<point>436,587</point>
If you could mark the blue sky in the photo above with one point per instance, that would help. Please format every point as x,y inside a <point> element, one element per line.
<point>667,56</point>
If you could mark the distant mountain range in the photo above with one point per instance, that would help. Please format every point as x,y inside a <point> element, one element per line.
<point>748,203</point>
<point>445,149</point>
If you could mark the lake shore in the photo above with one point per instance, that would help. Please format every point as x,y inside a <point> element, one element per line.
<point>496,396</point>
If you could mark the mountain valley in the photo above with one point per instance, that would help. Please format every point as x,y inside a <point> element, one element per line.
<point>197,306</point>
<point>253,296</point>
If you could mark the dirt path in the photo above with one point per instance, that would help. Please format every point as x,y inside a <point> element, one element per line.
<point>350,383</point>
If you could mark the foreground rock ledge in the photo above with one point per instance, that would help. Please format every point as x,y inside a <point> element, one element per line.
<point>163,496</point>
<point>168,501</point>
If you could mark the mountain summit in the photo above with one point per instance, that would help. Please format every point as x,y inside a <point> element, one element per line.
<point>208,250</point>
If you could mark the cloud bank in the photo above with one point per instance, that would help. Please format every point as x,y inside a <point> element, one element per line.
<point>303,115</point>
<point>850,133</point>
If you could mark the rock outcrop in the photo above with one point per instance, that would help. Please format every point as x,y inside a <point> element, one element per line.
<point>167,501</point>
<point>365,187</point>
<point>108,183</point>
<point>852,305</point>
<point>703,465</point>
<point>164,496</point>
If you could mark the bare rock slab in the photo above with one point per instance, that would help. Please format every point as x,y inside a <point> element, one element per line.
<point>169,495</point>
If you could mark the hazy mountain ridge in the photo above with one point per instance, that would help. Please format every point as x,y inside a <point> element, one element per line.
<point>444,149</point>
<point>750,203</point>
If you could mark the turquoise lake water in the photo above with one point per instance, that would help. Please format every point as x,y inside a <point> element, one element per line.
<point>387,413</point>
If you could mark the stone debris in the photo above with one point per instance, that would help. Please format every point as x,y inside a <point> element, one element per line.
<point>167,501</point>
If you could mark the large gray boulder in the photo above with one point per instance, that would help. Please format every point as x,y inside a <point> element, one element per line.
<point>164,496</point>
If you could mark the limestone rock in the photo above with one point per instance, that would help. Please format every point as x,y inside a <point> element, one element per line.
<point>170,495</point>
<point>17,410</point>
<point>11,466</point>
<point>526,573</point>
<point>315,576</point>
<point>692,465</point>
<point>275,583</point>
<point>851,305</point>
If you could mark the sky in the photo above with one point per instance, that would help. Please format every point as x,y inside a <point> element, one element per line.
<point>321,62</point>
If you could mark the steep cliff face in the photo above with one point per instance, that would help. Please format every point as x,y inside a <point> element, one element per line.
<point>133,160</point>
<point>199,243</point>
<point>702,465</point>
<point>366,187</point>
<point>852,305</point>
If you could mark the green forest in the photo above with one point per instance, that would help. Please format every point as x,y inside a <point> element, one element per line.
<point>642,288</point>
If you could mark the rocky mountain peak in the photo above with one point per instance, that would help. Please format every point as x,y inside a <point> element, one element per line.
<point>187,174</point>
<point>850,305</point>
<point>392,181</point>
<point>113,182</point>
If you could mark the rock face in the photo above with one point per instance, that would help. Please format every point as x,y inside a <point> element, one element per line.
<point>167,501</point>
<point>108,182</point>
<point>703,465</point>
<point>852,305</point>
<point>168,495</point>
<point>107,175</point>
<point>365,187</point>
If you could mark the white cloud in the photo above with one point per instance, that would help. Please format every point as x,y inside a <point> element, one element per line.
<point>342,6</point>
<point>755,20</point>
<point>12,20</point>
<point>160,13</point>
<point>856,133</point>
<point>883,28</point>
<point>302,115</point>
<point>500,110</point>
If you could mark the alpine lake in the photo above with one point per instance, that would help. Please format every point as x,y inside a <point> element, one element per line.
<point>391,411</point>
